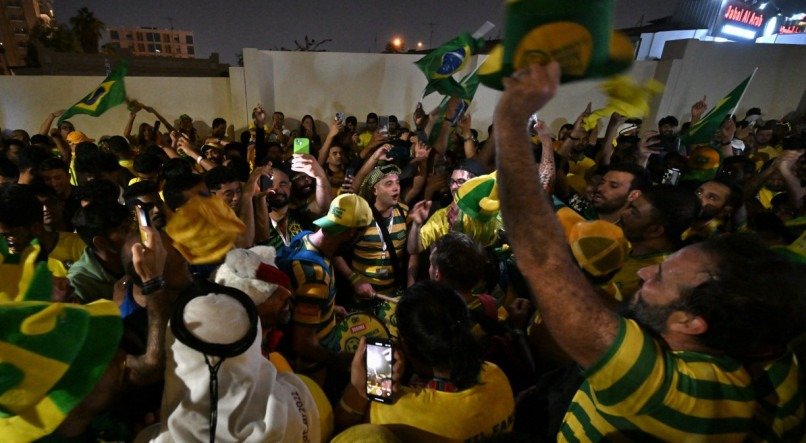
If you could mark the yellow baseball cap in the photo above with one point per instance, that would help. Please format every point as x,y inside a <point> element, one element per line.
<point>347,211</point>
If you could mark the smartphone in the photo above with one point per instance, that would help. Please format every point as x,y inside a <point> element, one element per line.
<point>157,126</point>
<point>379,370</point>
<point>340,117</point>
<point>302,146</point>
<point>142,221</point>
<point>383,124</point>
<point>265,182</point>
<point>460,111</point>
<point>671,177</point>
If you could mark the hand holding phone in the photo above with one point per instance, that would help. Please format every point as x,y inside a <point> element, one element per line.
<point>302,146</point>
<point>143,221</point>
<point>379,360</point>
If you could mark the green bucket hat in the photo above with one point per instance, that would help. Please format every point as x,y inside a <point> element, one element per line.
<point>577,34</point>
<point>51,356</point>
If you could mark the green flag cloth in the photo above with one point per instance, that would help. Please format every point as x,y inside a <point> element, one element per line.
<point>442,63</point>
<point>111,92</point>
<point>468,85</point>
<point>703,131</point>
<point>576,34</point>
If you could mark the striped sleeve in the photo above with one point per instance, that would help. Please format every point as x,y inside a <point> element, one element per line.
<point>312,293</point>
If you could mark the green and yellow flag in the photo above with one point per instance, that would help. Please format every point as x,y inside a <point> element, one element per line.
<point>110,93</point>
<point>703,131</point>
<point>442,63</point>
<point>576,34</point>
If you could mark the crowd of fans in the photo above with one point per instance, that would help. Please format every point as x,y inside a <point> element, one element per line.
<point>583,285</point>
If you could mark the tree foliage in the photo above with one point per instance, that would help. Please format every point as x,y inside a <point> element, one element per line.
<point>87,28</point>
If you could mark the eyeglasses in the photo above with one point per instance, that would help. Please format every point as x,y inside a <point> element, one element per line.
<point>459,182</point>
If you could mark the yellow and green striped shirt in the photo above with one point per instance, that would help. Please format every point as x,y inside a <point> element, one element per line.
<point>314,296</point>
<point>371,257</point>
<point>640,391</point>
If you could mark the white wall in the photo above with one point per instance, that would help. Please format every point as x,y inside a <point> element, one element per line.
<point>714,69</point>
<point>25,101</point>
<point>322,83</point>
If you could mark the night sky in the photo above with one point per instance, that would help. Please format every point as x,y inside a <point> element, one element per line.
<point>354,26</point>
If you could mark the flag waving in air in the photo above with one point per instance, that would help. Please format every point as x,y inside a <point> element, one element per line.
<point>111,92</point>
<point>442,63</point>
<point>703,131</point>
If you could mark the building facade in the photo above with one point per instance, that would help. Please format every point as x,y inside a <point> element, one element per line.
<point>153,41</point>
<point>17,19</point>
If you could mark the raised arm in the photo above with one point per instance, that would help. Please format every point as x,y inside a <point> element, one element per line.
<point>44,128</point>
<point>610,135</point>
<point>547,170</point>
<point>335,128</point>
<point>572,311</point>
<point>168,126</point>
<point>469,143</point>
<point>362,173</point>
<point>307,164</point>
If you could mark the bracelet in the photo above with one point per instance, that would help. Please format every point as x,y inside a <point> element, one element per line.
<point>153,285</point>
<point>348,409</point>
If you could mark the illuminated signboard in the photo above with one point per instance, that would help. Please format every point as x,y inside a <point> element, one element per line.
<point>743,15</point>
<point>796,27</point>
<point>738,21</point>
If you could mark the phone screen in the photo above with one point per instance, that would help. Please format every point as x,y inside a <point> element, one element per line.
<point>142,220</point>
<point>379,370</point>
<point>383,123</point>
<point>302,146</point>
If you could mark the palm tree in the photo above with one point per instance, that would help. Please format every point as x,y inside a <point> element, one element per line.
<point>88,30</point>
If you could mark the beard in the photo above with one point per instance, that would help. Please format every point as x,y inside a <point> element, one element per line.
<point>609,206</point>
<point>277,200</point>
<point>652,317</point>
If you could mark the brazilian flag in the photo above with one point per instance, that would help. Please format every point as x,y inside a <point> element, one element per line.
<point>468,86</point>
<point>110,93</point>
<point>703,131</point>
<point>442,63</point>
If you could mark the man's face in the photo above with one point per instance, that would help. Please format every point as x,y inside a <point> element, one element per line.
<point>13,153</point>
<point>667,129</point>
<point>775,182</point>
<point>763,137</point>
<point>302,186</point>
<point>17,237</point>
<point>387,191</point>
<point>336,156</point>
<point>458,178</point>
<point>713,198</point>
<point>280,190</point>
<point>116,237</point>
<point>613,193</point>
<point>220,130</point>
<point>663,285</point>
<point>65,128</point>
<point>276,310</point>
<point>372,124</point>
<point>215,155</point>
<point>58,180</point>
<point>155,208</point>
<point>231,194</point>
<point>637,218</point>
<point>52,210</point>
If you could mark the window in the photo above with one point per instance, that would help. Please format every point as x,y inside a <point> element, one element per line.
<point>190,50</point>
<point>129,36</point>
<point>189,39</point>
<point>149,36</point>
<point>151,47</point>
<point>176,39</point>
<point>114,35</point>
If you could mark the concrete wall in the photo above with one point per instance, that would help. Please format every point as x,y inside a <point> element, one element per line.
<point>321,84</point>
<point>25,101</point>
<point>713,69</point>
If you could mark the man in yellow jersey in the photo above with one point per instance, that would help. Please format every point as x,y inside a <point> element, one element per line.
<point>706,358</point>
<point>653,224</point>
<point>376,262</point>
<point>307,260</point>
